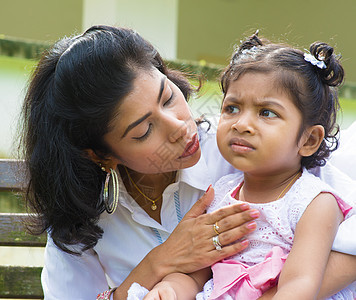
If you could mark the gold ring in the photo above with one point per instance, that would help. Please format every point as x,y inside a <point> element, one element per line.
<point>216,228</point>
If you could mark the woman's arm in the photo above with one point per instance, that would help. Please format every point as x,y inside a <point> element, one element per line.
<point>306,263</point>
<point>67,276</point>
<point>189,248</point>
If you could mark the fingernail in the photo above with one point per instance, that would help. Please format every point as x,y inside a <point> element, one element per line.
<point>244,243</point>
<point>254,213</point>
<point>208,189</point>
<point>244,206</point>
<point>251,225</point>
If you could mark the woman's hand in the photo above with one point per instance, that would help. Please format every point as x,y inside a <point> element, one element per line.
<point>190,246</point>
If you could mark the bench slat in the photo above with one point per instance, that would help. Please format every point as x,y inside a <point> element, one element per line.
<point>16,281</point>
<point>9,179</point>
<point>12,232</point>
<point>20,282</point>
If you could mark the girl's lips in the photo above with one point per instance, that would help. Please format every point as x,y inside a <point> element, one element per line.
<point>241,146</point>
<point>191,147</point>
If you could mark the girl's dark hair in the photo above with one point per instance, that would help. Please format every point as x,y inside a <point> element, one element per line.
<point>72,97</point>
<point>311,87</point>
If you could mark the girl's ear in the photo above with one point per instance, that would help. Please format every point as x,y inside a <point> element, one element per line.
<point>104,163</point>
<point>311,140</point>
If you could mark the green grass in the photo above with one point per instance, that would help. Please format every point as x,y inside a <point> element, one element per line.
<point>16,64</point>
<point>348,105</point>
<point>10,202</point>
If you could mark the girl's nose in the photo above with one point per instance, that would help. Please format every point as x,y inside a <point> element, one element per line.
<point>243,124</point>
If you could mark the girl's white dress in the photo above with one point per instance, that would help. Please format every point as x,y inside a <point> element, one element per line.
<point>249,273</point>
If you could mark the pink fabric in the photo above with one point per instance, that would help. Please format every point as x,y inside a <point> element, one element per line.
<point>247,282</point>
<point>344,207</point>
<point>235,191</point>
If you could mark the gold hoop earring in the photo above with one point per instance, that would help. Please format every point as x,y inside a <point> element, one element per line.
<point>115,193</point>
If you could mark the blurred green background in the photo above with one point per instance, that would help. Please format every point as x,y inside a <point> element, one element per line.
<point>191,29</point>
<point>202,32</point>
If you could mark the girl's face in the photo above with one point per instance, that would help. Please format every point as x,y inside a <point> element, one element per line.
<point>153,130</point>
<point>259,126</point>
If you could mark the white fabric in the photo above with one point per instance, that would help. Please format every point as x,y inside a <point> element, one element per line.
<point>276,224</point>
<point>278,219</point>
<point>128,234</point>
<point>136,292</point>
<point>345,156</point>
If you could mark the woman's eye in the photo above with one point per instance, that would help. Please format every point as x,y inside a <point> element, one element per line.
<point>169,100</point>
<point>146,135</point>
<point>268,113</point>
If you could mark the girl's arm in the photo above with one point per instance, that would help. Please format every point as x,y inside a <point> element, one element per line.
<point>340,272</point>
<point>178,286</point>
<point>190,248</point>
<point>304,269</point>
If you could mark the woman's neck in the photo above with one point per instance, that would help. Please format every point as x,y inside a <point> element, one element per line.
<point>267,188</point>
<point>144,188</point>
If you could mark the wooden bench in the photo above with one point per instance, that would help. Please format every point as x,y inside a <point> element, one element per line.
<point>17,281</point>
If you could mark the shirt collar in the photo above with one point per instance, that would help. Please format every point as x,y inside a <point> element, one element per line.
<point>197,176</point>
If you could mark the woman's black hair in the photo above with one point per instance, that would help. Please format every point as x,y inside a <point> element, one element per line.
<point>72,96</point>
<point>310,85</point>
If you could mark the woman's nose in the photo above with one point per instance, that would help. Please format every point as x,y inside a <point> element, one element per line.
<point>176,128</point>
<point>244,124</point>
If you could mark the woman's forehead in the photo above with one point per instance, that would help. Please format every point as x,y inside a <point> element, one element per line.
<point>147,85</point>
<point>144,96</point>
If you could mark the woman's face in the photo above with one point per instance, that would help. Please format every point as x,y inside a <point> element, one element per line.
<point>153,130</point>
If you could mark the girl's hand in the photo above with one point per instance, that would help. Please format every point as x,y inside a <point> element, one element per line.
<point>162,291</point>
<point>190,247</point>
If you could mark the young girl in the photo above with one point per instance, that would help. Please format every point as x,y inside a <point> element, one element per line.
<point>277,122</point>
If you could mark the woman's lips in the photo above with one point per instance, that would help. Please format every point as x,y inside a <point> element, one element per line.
<point>191,147</point>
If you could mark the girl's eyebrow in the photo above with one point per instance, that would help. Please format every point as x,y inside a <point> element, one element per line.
<point>269,103</point>
<point>263,102</point>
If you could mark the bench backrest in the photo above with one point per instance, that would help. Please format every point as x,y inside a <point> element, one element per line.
<point>17,281</point>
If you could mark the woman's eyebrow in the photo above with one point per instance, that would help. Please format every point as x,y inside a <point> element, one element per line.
<point>135,123</point>
<point>140,120</point>
<point>161,89</point>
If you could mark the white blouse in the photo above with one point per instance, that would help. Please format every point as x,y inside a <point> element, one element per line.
<point>278,219</point>
<point>129,233</point>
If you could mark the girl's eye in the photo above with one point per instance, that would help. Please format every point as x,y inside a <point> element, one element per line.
<point>146,135</point>
<point>169,100</point>
<point>268,113</point>
<point>231,109</point>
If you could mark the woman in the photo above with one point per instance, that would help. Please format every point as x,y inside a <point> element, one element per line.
<point>115,161</point>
